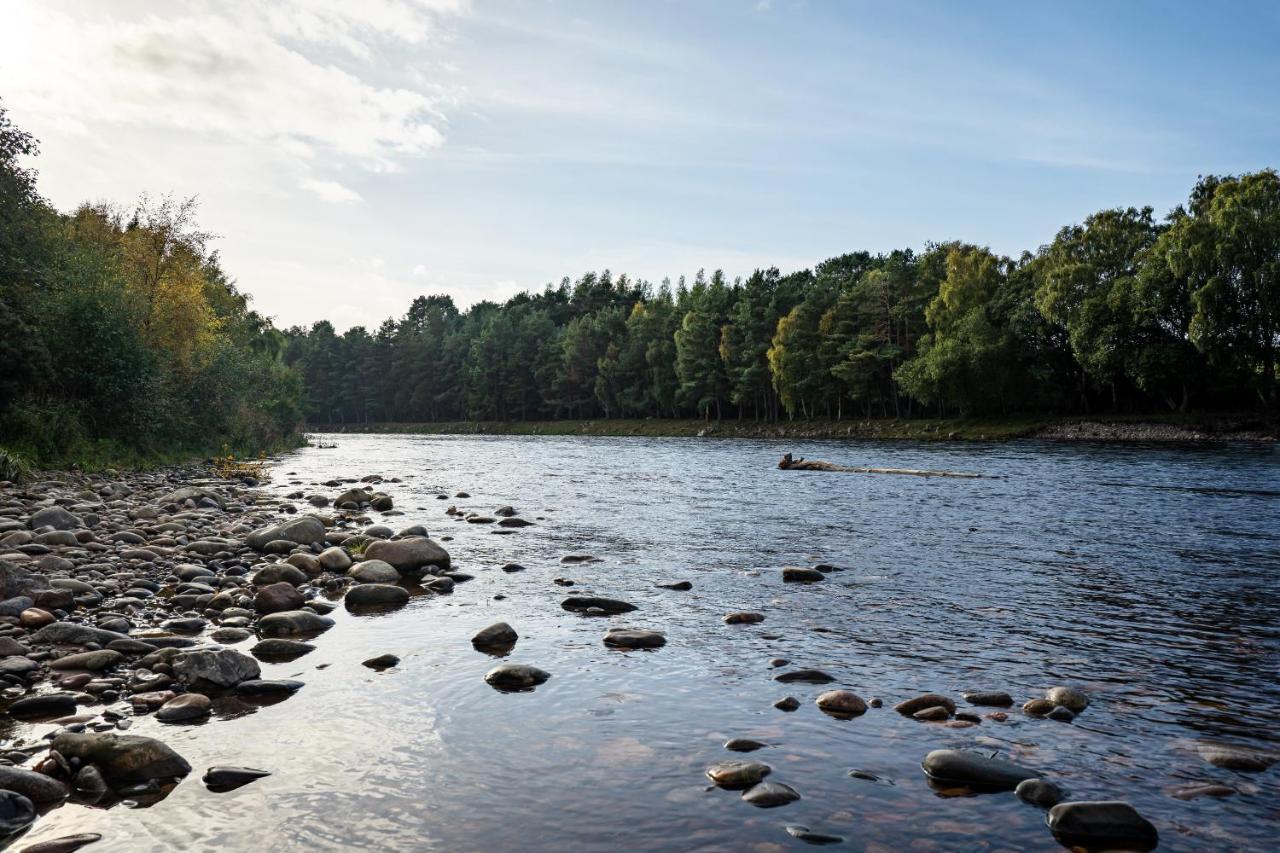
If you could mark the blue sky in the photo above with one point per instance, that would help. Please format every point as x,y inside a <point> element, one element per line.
<point>352,156</point>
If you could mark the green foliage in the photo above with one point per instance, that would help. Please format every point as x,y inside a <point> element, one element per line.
<point>14,467</point>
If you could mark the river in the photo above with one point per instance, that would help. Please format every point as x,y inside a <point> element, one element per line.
<point>1147,576</point>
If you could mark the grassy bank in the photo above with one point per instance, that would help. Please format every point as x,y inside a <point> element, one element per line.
<point>19,461</point>
<point>1173,427</point>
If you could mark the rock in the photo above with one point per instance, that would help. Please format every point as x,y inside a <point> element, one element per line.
<point>281,650</point>
<point>229,778</point>
<point>376,595</point>
<point>739,773</point>
<point>230,634</point>
<point>89,784</point>
<point>515,676</point>
<point>1038,707</point>
<point>579,558</point>
<point>334,559</point>
<point>970,768</point>
<point>634,638</point>
<point>123,758</point>
<point>292,623</point>
<point>931,715</point>
<point>679,586</point>
<point>1069,698</point>
<point>1235,757</point>
<point>1191,792</point>
<point>43,705</point>
<point>36,787</point>
<point>309,565</point>
<point>213,669</point>
<point>188,706</point>
<point>841,703</point>
<point>65,844</point>
<point>441,585</point>
<point>578,604</point>
<point>796,574</point>
<point>1061,714</point>
<point>411,556</point>
<point>303,530</point>
<point>55,517</point>
<point>805,676</point>
<point>787,703</point>
<point>279,573</point>
<point>808,836</point>
<point>743,618</point>
<point>191,493</point>
<point>16,581</point>
<point>374,571</point>
<point>993,698</point>
<point>16,813</point>
<point>909,707</point>
<point>1102,825</point>
<point>277,598</point>
<point>512,568</point>
<point>743,744</point>
<point>267,687</point>
<point>498,637</point>
<point>1039,792</point>
<point>767,795</point>
<point>381,662</point>
<point>92,661</point>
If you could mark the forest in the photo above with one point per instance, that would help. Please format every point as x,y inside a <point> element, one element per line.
<point>1123,313</point>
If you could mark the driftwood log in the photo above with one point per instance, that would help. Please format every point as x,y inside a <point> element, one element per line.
<point>789,463</point>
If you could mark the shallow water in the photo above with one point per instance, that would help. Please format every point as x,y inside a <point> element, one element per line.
<point>1146,576</point>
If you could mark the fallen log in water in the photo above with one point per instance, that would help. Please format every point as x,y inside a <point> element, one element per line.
<point>790,464</point>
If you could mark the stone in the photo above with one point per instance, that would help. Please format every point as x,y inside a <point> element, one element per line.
<point>1109,825</point>
<point>268,687</point>
<point>743,744</point>
<point>64,844</point>
<point>376,595</point>
<point>1191,792</point>
<point>36,787</point>
<point>411,556</point>
<point>805,676</point>
<point>191,493</point>
<point>512,568</point>
<point>55,517</point>
<point>334,559</point>
<point>303,530</point>
<point>277,598</point>
<point>743,618</point>
<point>230,634</point>
<point>498,637</point>
<point>292,623</point>
<point>768,795</point>
<point>634,638</point>
<point>43,705</point>
<point>123,758</point>
<point>188,706</point>
<point>1038,707</point>
<point>612,606</point>
<point>16,813</point>
<point>787,703</point>
<point>92,661</point>
<point>797,574</point>
<point>1039,792</point>
<point>309,565</point>
<point>994,698</point>
<point>1230,757</point>
<point>679,586</point>
<point>281,650</point>
<point>213,669</point>
<point>931,715</point>
<point>808,836</point>
<point>1069,698</point>
<point>971,768</point>
<point>229,778</point>
<point>16,581</point>
<point>842,703</point>
<point>515,676</point>
<point>1061,713</point>
<point>739,773</point>
<point>381,662</point>
<point>514,522</point>
<point>909,707</point>
<point>279,573</point>
<point>374,571</point>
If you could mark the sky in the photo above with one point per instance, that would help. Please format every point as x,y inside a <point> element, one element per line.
<point>351,156</point>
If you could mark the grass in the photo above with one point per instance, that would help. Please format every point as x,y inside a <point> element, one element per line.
<point>106,455</point>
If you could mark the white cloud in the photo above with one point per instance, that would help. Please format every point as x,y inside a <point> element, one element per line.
<point>331,191</point>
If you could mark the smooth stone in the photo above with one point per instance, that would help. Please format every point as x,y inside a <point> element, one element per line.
<point>43,705</point>
<point>768,795</point>
<point>278,598</point>
<point>1037,707</point>
<point>35,786</point>
<point>679,586</point>
<point>16,813</point>
<point>808,836</point>
<point>1191,792</point>
<point>123,758</point>
<point>1039,792</point>
<point>515,676</point>
<point>375,595</point>
<point>187,706</point>
<point>293,622</point>
<point>634,638</point>
<point>993,698</point>
<point>335,559</point>
<point>512,568</point>
<point>743,744</point>
<point>1069,698</point>
<point>612,606</point>
<point>381,662</point>
<point>787,703</point>
<point>1061,713</point>
<point>743,618</point>
<point>1102,825</point>
<point>224,778</point>
<point>498,636</point>
<point>92,661</point>
<point>303,530</point>
<point>1235,758</point>
<point>216,668</point>
<point>410,556</point>
<point>931,715</point>
<point>65,844</point>
<point>374,571</point>
<point>843,703</point>
<point>740,773</point>
<point>284,650</point>
<point>269,687</point>
<point>796,574</point>
<point>970,768</point>
<point>909,707</point>
<point>805,676</point>
<point>279,573</point>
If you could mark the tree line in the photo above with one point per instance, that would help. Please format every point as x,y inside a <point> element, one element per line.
<point>120,333</point>
<point>1121,313</point>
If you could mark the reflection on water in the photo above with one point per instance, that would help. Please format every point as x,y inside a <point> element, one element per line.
<point>1145,576</point>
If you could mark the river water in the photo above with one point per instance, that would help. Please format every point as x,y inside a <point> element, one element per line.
<point>1145,576</point>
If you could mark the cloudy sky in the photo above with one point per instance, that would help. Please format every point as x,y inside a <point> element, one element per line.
<point>352,155</point>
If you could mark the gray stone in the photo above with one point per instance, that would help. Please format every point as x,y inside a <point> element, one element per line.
<point>92,661</point>
<point>497,637</point>
<point>909,707</point>
<point>1039,792</point>
<point>123,758</point>
<point>1068,697</point>
<point>303,530</point>
<point>36,787</point>
<point>376,594</point>
<point>188,706</point>
<point>970,768</point>
<point>293,622</point>
<point>767,795</point>
<point>374,571</point>
<point>634,638</point>
<point>411,556</point>
<point>212,669</point>
<point>739,773</point>
<point>284,650</point>
<point>55,517</point>
<point>578,604</point>
<point>1109,825</point>
<point>841,703</point>
<point>515,676</point>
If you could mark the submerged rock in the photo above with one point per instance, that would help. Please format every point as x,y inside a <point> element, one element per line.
<point>740,773</point>
<point>498,637</point>
<point>997,699</point>
<point>743,744</point>
<point>1235,757</point>
<point>634,638</point>
<point>229,778</point>
<point>970,768</point>
<point>806,676</point>
<point>743,617</point>
<point>797,574</point>
<point>1067,697</point>
<point>841,703</point>
<point>767,795</point>
<point>1039,792</point>
<point>1111,825</point>
<point>515,676</point>
<point>376,595</point>
<point>580,604</point>
<point>292,623</point>
<point>283,650</point>
<point>909,707</point>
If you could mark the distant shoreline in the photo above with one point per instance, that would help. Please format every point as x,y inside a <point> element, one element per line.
<point>1147,428</point>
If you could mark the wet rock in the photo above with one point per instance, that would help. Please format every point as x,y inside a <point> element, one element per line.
<point>293,623</point>
<point>909,707</point>
<point>739,773</point>
<point>281,650</point>
<point>374,571</point>
<point>1192,792</point>
<point>768,795</point>
<point>515,676</point>
<point>16,813</point>
<point>931,715</point>
<point>808,836</point>
<point>743,618</point>
<point>16,581</point>
<point>579,558</point>
<point>279,573</point>
<point>1231,757</point>
<point>841,703</point>
<point>743,744</point>
<point>224,778</point>
<point>411,556</point>
<point>376,595</point>
<point>679,586</point>
<point>213,669</point>
<point>787,703</point>
<point>188,706</point>
<point>512,568</point>
<point>381,662</point>
<point>514,522</point>
<point>442,585</point>
<point>36,787</point>
<point>89,784</point>
<point>1061,713</point>
<point>277,598</point>
<point>971,768</point>
<point>307,563</point>
<point>65,844</point>
<point>992,698</point>
<point>43,705</point>
<point>1038,707</point>
<point>334,559</point>
<point>123,758</point>
<point>303,530</point>
<point>634,638</point>
<point>805,676</point>
<point>1069,698</point>
<point>1102,825</point>
<point>262,688</point>
<point>612,606</point>
<point>71,634</point>
<point>92,661</point>
<point>1039,792</point>
<point>797,574</point>
<point>498,637</point>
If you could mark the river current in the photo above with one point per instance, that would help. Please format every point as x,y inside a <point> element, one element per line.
<point>1146,576</point>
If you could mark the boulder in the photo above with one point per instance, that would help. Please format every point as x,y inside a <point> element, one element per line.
<point>213,669</point>
<point>277,598</point>
<point>411,556</point>
<point>303,530</point>
<point>374,571</point>
<point>55,517</point>
<point>123,758</point>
